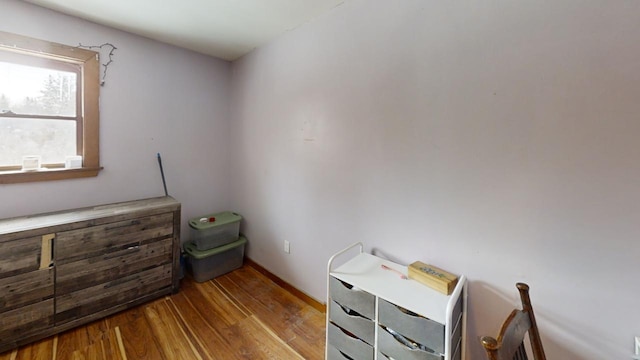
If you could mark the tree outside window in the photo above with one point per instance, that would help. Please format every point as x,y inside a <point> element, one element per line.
<point>48,108</point>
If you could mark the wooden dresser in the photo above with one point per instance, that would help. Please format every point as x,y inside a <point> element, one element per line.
<point>63,269</point>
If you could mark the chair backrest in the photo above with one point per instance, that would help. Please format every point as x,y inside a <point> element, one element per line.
<point>510,342</point>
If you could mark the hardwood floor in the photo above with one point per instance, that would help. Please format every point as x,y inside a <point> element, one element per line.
<point>240,315</point>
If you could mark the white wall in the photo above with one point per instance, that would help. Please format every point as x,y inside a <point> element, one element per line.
<point>499,139</point>
<point>156,98</point>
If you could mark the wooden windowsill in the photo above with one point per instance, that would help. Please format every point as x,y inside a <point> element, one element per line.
<point>19,176</point>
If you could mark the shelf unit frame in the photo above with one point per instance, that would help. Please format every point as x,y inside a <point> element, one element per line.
<point>397,291</point>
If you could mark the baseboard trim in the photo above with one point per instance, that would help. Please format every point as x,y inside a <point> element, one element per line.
<point>285,285</point>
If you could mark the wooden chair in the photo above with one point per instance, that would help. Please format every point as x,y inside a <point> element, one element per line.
<point>510,342</point>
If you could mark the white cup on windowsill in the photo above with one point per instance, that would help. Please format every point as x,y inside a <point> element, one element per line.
<point>31,163</point>
<point>73,162</point>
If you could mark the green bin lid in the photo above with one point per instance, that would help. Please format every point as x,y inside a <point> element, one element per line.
<point>219,219</point>
<point>190,248</point>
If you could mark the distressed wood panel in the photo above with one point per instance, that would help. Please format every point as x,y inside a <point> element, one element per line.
<point>58,221</point>
<point>25,289</point>
<point>19,256</point>
<point>26,320</point>
<point>105,268</point>
<point>100,297</point>
<point>104,239</point>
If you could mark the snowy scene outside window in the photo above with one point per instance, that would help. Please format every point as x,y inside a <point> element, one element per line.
<point>38,111</point>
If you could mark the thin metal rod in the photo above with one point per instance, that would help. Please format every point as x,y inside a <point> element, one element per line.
<point>164,183</point>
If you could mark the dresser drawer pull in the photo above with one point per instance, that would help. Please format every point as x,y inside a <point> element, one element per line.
<point>46,251</point>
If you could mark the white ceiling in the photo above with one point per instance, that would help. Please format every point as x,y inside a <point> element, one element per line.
<point>226,29</point>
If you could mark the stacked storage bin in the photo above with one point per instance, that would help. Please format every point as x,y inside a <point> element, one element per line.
<point>216,247</point>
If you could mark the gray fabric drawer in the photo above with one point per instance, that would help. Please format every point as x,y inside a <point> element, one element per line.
<point>335,354</point>
<point>360,301</point>
<point>390,347</point>
<point>415,327</point>
<point>347,344</point>
<point>357,325</point>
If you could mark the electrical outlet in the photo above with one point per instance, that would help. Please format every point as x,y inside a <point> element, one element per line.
<point>287,248</point>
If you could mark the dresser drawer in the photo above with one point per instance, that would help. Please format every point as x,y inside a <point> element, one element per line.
<point>348,344</point>
<point>118,292</point>
<point>346,295</point>
<point>359,326</point>
<point>20,256</point>
<point>26,320</point>
<point>392,348</point>
<point>25,289</point>
<point>413,326</point>
<point>85,273</point>
<point>335,354</point>
<point>103,239</point>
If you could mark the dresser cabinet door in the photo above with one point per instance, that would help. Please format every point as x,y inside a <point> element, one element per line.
<point>105,296</point>
<point>20,256</point>
<point>105,239</point>
<point>26,291</point>
<point>101,267</point>
<point>114,265</point>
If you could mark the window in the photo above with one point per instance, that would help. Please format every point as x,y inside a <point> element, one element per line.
<point>48,110</point>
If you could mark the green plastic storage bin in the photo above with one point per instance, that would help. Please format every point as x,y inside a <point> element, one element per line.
<point>214,230</point>
<point>208,264</point>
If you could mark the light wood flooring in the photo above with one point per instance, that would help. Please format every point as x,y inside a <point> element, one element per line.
<point>240,315</point>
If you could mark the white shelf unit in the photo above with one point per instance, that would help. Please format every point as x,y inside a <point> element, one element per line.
<point>372,313</point>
